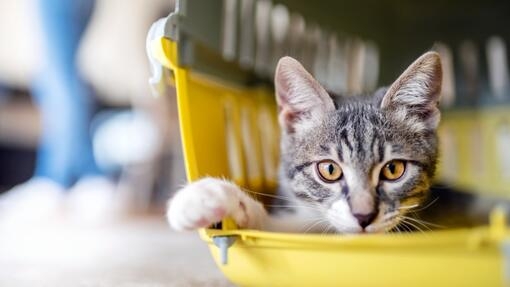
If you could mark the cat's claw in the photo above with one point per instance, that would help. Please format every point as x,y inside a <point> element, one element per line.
<point>208,201</point>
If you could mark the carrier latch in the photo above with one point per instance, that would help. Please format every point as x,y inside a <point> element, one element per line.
<point>223,243</point>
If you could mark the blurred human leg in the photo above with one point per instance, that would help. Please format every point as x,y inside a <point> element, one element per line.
<point>65,100</point>
<point>66,104</point>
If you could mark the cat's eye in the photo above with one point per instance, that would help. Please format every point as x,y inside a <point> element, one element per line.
<point>329,171</point>
<point>393,170</point>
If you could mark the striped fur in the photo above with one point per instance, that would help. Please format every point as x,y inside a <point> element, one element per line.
<point>361,135</point>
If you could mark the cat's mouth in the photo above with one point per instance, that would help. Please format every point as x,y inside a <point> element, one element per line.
<point>383,223</point>
<point>381,227</point>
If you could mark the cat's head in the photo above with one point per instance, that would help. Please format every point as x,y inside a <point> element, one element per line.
<point>361,163</point>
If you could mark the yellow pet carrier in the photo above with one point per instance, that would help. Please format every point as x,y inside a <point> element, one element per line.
<point>221,63</point>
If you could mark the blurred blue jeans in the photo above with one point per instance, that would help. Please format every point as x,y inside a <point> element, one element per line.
<point>64,99</point>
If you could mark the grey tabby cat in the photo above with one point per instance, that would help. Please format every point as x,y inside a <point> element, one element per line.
<point>358,165</point>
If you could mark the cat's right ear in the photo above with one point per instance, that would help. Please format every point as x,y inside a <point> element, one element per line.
<point>301,99</point>
<point>413,98</point>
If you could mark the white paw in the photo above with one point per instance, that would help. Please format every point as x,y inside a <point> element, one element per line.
<point>209,200</point>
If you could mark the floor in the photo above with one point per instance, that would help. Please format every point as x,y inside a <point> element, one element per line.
<point>141,251</point>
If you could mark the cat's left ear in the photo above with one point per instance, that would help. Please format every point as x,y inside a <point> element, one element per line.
<point>413,98</point>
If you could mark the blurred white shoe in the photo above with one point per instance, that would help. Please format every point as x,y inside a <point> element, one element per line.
<point>33,202</point>
<point>92,201</point>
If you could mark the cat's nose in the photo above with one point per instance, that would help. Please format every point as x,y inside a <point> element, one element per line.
<point>365,219</point>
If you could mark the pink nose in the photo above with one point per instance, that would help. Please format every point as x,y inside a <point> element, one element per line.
<point>365,219</point>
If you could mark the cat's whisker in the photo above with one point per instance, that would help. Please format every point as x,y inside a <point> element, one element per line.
<point>390,215</point>
<point>411,206</point>
<point>423,222</point>
<point>406,222</point>
<point>329,228</point>
<point>407,228</point>
<point>390,229</point>
<point>294,206</point>
<point>315,223</point>
<point>312,221</point>
<point>426,206</point>
<point>324,229</point>
<point>403,227</point>
<point>412,221</point>
<point>268,195</point>
<point>396,228</point>
<point>390,226</point>
<point>418,220</point>
<point>390,223</point>
<point>408,219</point>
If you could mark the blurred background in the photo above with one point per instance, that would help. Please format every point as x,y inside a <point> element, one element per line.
<point>88,143</point>
<point>132,133</point>
<point>88,155</point>
<point>353,47</point>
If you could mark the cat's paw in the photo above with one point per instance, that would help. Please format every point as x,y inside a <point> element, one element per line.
<point>208,201</point>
